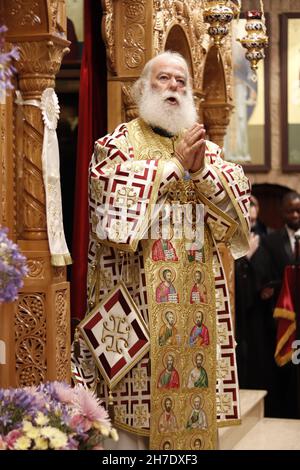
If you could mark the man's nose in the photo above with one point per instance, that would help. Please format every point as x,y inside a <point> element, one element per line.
<point>173,83</point>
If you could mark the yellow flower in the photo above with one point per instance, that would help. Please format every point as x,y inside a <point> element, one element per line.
<point>104,430</point>
<point>27,425</point>
<point>114,434</point>
<point>33,433</point>
<point>40,444</point>
<point>22,443</point>
<point>59,441</point>
<point>41,419</point>
<point>3,445</point>
<point>97,425</point>
<point>56,437</point>
<point>48,431</point>
<point>29,430</point>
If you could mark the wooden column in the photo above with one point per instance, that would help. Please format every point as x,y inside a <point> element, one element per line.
<point>216,118</point>
<point>7,217</point>
<point>38,348</point>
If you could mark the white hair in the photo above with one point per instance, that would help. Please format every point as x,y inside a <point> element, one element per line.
<point>152,103</point>
<point>154,110</point>
<point>139,85</point>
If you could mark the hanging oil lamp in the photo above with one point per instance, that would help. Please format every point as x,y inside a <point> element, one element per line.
<point>256,39</point>
<point>218,15</point>
<point>235,5</point>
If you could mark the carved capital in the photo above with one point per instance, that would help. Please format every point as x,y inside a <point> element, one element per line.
<point>216,118</point>
<point>217,113</point>
<point>38,65</point>
<point>130,107</point>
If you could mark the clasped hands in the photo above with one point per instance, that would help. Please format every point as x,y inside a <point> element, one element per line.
<point>190,150</point>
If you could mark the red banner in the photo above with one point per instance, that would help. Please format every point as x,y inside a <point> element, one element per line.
<point>285,315</point>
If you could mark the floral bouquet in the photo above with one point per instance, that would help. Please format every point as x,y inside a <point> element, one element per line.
<point>53,416</point>
<point>12,268</point>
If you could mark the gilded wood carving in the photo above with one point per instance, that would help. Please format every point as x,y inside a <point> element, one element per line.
<point>38,339</point>
<point>135,31</point>
<point>30,337</point>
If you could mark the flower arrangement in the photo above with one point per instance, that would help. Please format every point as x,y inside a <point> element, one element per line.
<point>12,268</point>
<point>53,416</point>
<point>6,69</point>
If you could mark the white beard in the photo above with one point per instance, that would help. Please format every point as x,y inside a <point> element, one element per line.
<point>157,112</point>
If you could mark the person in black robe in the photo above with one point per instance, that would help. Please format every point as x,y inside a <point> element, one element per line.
<point>274,254</point>
<point>248,307</point>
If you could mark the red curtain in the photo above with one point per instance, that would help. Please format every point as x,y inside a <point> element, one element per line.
<point>92,125</point>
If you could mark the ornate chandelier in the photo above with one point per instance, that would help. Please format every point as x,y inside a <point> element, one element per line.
<point>256,38</point>
<point>219,14</point>
<point>236,7</point>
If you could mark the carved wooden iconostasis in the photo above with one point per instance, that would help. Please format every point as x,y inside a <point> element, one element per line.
<point>35,330</point>
<point>135,31</point>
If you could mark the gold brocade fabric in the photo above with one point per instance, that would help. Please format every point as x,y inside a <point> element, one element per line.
<point>181,293</point>
<point>183,361</point>
<point>183,392</point>
<point>147,144</point>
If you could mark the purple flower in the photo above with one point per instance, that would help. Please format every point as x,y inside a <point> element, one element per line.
<point>72,444</point>
<point>12,268</point>
<point>5,419</point>
<point>49,410</point>
<point>6,68</point>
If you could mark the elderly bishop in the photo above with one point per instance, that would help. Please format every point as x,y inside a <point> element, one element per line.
<point>163,160</point>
